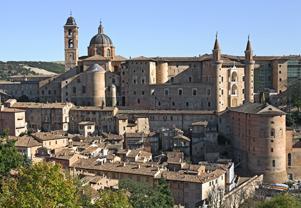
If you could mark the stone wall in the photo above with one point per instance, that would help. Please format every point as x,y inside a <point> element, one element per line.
<point>244,191</point>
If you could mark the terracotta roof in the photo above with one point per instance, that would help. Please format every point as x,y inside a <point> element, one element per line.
<point>101,58</point>
<point>137,111</point>
<point>91,108</point>
<point>26,105</point>
<point>45,136</point>
<point>258,108</point>
<point>181,137</point>
<point>135,135</point>
<point>11,110</point>
<point>64,154</point>
<point>201,178</point>
<point>128,168</point>
<point>86,123</point>
<point>25,141</point>
<point>200,123</point>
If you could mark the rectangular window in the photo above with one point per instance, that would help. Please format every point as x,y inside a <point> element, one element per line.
<point>83,89</point>
<point>194,91</point>
<point>166,92</point>
<point>180,91</point>
<point>273,163</point>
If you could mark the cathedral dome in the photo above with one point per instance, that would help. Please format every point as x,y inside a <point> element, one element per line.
<point>101,38</point>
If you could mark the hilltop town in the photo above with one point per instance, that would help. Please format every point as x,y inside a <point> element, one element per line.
<point>214,127</point>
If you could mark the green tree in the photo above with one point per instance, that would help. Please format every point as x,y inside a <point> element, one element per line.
<point>163,194</point>
<point>281,201</point>
<point>145,196</point>
<point>297,103</point>
<point>113,199</point>
<point>10,158</point>
<point>40,185</point>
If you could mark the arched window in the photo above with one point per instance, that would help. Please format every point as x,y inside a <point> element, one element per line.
<point>108,52</point>
<point>234,90</point>
<point>70,32</point>
<point>98,50</point>
<point>234,77</point>
<point>70,43</point>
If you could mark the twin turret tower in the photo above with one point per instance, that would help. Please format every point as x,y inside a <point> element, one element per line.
<point>233,85</point>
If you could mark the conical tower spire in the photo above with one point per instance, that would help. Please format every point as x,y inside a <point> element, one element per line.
<point>249,47</point>
<point>216,44</point>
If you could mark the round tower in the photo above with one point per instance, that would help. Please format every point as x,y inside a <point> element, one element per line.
<point>114,95</point>
<point>217,65</point>
<point>267,150</point>
<point>162,72</point>
<point>96,85</point>
<point>249,73</point>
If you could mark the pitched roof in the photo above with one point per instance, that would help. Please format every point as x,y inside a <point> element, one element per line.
<point>258,108</point>
<point>25,141</point>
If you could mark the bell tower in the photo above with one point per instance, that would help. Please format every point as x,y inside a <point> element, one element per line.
<point>71,43</point>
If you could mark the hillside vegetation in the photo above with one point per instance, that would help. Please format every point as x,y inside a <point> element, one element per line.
<point>12,68</point>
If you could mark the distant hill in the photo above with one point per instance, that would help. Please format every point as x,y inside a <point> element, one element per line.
<point>11,68</point>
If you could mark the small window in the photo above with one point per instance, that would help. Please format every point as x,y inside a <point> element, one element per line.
<point>142,92</point>
<point>272,150</point>
<point>187,104</point>
<point>166,92</point>
<point>272,133</point>
<point>138,101</point>
<point>189,79</point>
<point>173,103</point>
<point>273,163</point>
<point>208,91</point>
<point>180,91</point>
<point>194,92</point>
<point>289,159</point>
<point>83,89</point>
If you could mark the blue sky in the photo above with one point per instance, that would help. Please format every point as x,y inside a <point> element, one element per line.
<point>33,29</point>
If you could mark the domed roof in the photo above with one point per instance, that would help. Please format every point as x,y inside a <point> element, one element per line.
<point>101,38</point>
<point>96,68</point>
<point>70,21</point>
